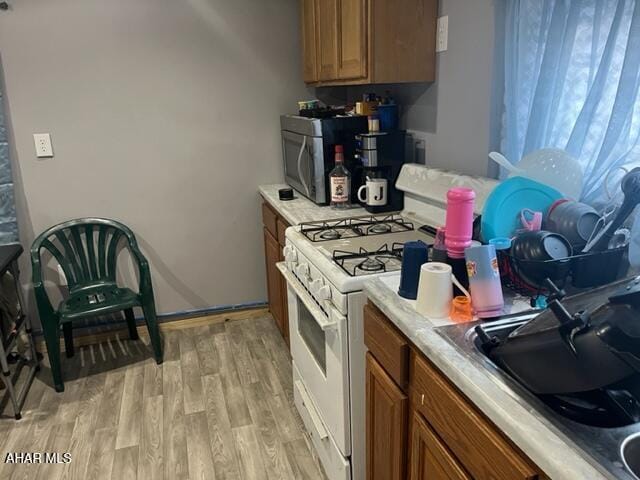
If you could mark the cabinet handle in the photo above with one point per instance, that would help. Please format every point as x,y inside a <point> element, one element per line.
<point>422,399</point>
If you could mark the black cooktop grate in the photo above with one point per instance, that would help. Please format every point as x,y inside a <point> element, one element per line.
<point>364,262</point>
<point>354,227</point>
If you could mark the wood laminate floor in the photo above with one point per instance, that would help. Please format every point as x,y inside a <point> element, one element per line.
<point>219,407</point>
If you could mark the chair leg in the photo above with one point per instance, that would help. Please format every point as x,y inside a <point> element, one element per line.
<point>149,311</point>
<point>131,324</point>
<point>52,339</point>
<point>67,329</point>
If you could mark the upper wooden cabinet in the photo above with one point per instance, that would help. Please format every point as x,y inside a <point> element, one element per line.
<point>309,58</point>
<point>350,42</point>
<point>352,39</point>
<point>326,27</point>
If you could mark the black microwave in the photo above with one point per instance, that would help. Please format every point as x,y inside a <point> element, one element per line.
<point>308,151</point>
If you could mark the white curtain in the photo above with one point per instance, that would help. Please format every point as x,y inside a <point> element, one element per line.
<point>572,76</point>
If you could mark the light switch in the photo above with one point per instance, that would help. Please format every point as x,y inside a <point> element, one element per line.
<point>442,34</point>
<point>43,145</point>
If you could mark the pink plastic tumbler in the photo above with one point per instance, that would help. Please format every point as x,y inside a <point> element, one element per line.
<point>459,220</point>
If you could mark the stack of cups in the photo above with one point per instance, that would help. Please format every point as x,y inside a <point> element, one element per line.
<point>484,280</point>
<point>414,255</point>
<point>459,220</point>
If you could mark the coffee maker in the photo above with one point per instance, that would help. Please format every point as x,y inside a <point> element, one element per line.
<point>379,155</point>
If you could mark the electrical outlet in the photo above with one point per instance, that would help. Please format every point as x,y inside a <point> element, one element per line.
<point>419,145</point>
<point>442,36</point>
<point>43,145</point>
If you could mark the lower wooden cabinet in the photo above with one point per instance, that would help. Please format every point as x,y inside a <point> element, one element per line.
<point>430,458</point>
<point>284,320</point>
<point>274,239</point>
<point>448,437</point>
<point>274,282</point>
<point>387,408</point>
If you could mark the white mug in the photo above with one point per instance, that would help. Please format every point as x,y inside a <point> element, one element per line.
<point>374,192</point>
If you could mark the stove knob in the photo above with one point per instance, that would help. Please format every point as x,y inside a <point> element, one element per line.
<point>316,285</point>
<point>302,270</point>
<point>324,293</point>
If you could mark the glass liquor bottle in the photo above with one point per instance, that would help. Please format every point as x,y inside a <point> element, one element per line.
<point>340,180</point>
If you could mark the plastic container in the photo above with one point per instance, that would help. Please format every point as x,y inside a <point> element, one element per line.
<point>484,280</point>
<point>502,246</point>
<point>459,268</point>
<point>461,310</point>
<point>459,220</point>
<point>414,255</point>
<point>388,115</point>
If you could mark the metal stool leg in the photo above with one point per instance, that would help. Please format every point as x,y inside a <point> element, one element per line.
<point>17,399</point>
<point>6,379</point>
<point>15,272</point>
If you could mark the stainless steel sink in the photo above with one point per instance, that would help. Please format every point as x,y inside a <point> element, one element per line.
<point>617,450</point>
<point>631,453</point>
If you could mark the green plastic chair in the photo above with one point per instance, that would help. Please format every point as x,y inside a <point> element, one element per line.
<point>86,250</point>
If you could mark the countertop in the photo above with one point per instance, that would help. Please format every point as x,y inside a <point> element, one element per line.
<point>543,443</point>
<point>301,209</point>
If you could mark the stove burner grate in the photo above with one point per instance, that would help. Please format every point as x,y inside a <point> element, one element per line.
<point>354,227</point>
<point>372,261</point>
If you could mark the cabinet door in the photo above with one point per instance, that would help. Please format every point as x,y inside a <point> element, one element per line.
<point>386,433</point>
<point>430,458</point>
<point>327,39</point>
<point>352,39</point>
<point>274,279</point>
<point>308,25</point>
<point>403,40</point>
<point>283,299</point>
<point>281,227</point>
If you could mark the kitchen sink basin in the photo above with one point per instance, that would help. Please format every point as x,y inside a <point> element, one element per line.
<point>615,446</point>
<point>600,408</point>
<point>631,454</point>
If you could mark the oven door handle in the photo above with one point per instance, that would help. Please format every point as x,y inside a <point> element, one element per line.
<point>318,315</point>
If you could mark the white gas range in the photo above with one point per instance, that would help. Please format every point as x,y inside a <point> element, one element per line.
<point>326,265</point>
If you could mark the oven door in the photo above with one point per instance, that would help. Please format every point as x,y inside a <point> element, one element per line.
<point>304,164</point>
<point>319,347</point>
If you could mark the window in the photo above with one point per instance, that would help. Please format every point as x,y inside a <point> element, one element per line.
<point>572,76</point>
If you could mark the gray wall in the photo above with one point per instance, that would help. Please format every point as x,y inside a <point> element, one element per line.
<point>455,115</point>
<point>164,115</point>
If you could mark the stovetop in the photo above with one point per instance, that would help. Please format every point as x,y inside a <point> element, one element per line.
<point>366,245</point>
